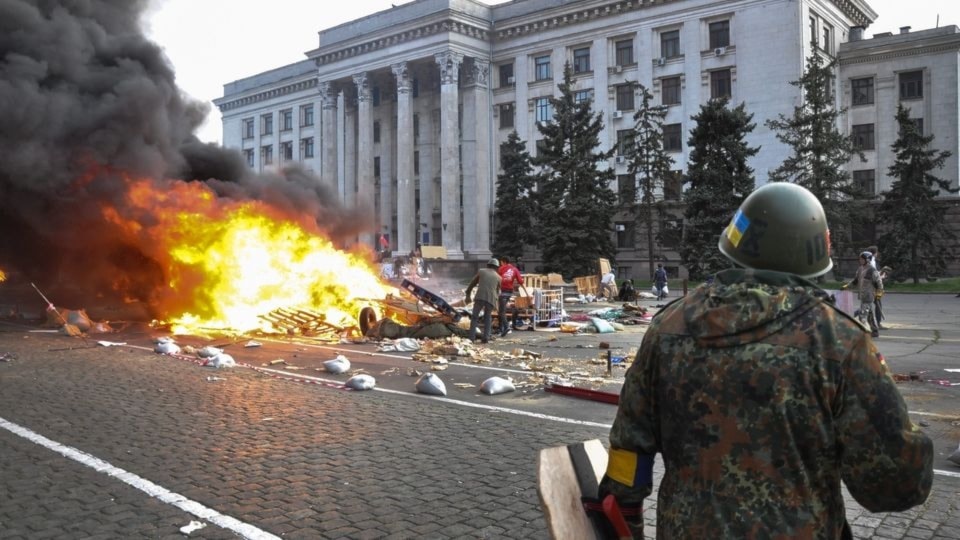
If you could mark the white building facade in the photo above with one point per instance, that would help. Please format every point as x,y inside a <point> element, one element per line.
<point>404,110</point>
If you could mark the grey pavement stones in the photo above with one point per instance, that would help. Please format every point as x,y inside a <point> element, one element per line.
<point>300,461</point>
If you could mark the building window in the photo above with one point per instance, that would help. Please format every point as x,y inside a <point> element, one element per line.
<point>624,97</point>
<point>670,44</point>
<point>248,128</point>
<point>813,32</point>
<point>416,163</point>
<point>415,87</point>
<point>541,147</point>
<point>375,96</point>
<point>918,122</point>
<point>911,85</point>
<point>582,95</point>
<point>306,115</point>
<point>624,52</point>
<point>376,167</point>
<point>624,140</point>
<point>416,127</point>
<point>266,124</point>
<point>719,34</point>
<point>286,151</point>
<point>827,44</point>
<point>248,156</point>
<point>544,112</point>
<point>266,154</point>
<point>862,90</point>
<point>541,68</point>
<point>862,136</point>
<point>625,239</point>
<point>673,186</point>
<point>286,119</point>
<point>626,189</point>
<point>670,87</point>
<point>581,60</point>
<point>376,132</point>
<point>506,75</point>
<point>720,86</point>
<point>506,115</point>
<point>672,138</point>
<point>866,182</point>
<point>670,234</point>
<point>306,147</point>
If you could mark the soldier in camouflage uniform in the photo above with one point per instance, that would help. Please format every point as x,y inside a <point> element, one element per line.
<point>762,397</point>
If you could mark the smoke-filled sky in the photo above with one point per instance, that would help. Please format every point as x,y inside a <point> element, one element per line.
<point>88,104</point>
<point>213,42</point>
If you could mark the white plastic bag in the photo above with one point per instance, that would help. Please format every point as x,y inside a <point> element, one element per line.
<point>666,290</point>
<point>338,365</point>
<point>361,382</point>
<point>497,385</point>
<point>428,383</point>
<point>222,360</point>
<point>167,347</point>
<point>209,352</point>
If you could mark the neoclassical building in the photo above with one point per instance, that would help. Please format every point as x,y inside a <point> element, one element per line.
<point>405,110</point>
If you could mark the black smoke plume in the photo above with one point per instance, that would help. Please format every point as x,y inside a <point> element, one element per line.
<point>85,99</point>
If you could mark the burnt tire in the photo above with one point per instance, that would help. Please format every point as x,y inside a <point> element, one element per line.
<point>367,319</point>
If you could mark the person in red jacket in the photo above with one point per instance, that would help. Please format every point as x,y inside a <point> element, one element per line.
<point>510,279</point>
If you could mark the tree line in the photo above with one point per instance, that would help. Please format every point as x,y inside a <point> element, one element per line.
<point>560,200</point>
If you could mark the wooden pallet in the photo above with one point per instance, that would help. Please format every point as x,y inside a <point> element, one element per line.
<point>300,321</point>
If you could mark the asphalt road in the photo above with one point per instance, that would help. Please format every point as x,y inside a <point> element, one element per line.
<point>120,442</point>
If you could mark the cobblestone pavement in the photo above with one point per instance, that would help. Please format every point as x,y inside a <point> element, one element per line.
<point>293,460</point>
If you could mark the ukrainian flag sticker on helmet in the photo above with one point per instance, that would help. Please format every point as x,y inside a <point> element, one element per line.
<point>738,226</point>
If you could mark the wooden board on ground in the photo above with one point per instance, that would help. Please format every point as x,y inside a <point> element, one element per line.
<point>587,284</point>
<point>604,266</point>
<point>561,473</point>
<point>433,252</point>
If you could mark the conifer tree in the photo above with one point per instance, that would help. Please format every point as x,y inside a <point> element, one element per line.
<point>819,151</point>
<point>515,209</point>
<point>575,202</point>
<point>649,162</point>
<point>719,180</point>
<point>916,239</point>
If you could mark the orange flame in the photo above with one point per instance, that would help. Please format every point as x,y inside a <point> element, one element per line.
<point>228,262</point>
<point>3,276</point>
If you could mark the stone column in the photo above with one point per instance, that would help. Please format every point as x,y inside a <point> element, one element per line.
<point>476,159</point>
<point>328,150</point>
<point>385,151</point>
<point>449,62</point>
<point>365,187</point>
<point>407,225</point>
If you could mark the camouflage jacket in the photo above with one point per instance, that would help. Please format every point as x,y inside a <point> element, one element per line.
<point>761,397</point>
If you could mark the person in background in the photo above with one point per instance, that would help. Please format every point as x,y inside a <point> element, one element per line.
<point>608,285</point>
<point>878,303</point>
<point>627,292</point>
<point>762,397</point>
<point>520,266</point>
<point>660,281</point>
<point>868,284</point>
<point>510,279</point>
<point>487,283</point>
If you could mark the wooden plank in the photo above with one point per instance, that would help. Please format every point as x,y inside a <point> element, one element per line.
<point>559,488</point>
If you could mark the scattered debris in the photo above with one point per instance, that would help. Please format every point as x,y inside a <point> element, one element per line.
<point>252,343</point>
<point>276,362</point>
<point>215,379</point>
<point>464,385</point>
<point>209,352</point>
<point>428,383</point>
<point>7,357</point>
<point>497,385</point>
<point>222,360</point>
<point>111,344</point>
<point>166,346</point>
<point>338,365</point>
<point>399,345</point>
<point>192,527</point>
<point>361,382</point>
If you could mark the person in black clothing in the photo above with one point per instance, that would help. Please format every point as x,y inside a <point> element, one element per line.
<point>627,292</point>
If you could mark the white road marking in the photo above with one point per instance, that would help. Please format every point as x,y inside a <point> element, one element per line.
<point>157,492</point>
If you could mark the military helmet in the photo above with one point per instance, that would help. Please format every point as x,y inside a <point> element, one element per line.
<point>780,226</point>
<point>494,263</point>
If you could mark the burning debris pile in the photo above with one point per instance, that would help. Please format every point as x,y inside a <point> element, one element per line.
<point>107,196</point>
